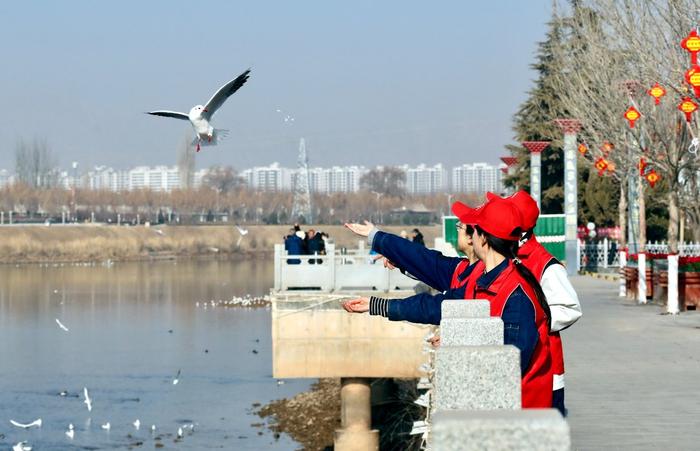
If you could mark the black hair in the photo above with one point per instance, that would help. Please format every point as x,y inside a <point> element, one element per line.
<point>509,249</point>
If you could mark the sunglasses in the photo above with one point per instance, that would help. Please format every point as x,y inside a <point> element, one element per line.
<point>467,228</point>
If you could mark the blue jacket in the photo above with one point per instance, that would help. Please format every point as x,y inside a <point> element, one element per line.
<point>436,270</point>
<point>294,246</point>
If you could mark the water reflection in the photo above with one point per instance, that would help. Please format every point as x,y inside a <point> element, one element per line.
<point>132,327</point>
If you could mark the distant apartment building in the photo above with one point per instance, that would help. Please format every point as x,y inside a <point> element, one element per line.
<point>426,179</point>
<point>268,178</point>
<point>6,178</point>
<point>158,178</point>
<point>477,178</point>
<point>337,179</point>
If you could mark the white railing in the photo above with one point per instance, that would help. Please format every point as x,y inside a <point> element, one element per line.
<point>604,254</point>
<point>684,249</point>
<point>351,270</point>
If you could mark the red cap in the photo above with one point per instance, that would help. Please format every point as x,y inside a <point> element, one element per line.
<point>525,204</point>
<point>498,217</point>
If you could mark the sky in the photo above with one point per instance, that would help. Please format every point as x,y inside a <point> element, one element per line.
<point>368,83</point>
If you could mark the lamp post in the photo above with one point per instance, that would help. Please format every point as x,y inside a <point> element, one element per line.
<point>536,148</point>
<point>510,163</point>
<point>570,127</point>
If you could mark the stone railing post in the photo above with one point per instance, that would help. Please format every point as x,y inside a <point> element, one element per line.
<point>623,279</point>
<point>472,347</point>
<point>279,254</point>
<point>673,307</point>
<point>477,397</point>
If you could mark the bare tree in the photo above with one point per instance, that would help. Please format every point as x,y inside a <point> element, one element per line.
<point>617,50</point>
<point>389,181</point>
<point>223,179</point>
<point>35,164</point>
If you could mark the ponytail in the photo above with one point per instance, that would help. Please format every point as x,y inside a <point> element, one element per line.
<point>509,249</point>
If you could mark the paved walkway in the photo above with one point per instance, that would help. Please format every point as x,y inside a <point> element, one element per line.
<point>632,374</point>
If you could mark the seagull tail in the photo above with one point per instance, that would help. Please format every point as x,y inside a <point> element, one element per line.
<point>219,135</point>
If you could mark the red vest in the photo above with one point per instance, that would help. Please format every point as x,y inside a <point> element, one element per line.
<point>461,267</point>
<point>537,380</point>
<point>536,258</point>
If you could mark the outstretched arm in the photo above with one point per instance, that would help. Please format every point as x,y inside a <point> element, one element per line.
<point>422,308</point>
<point>429,266</point>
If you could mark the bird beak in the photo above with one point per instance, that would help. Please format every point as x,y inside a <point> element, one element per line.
<point>205,110</point>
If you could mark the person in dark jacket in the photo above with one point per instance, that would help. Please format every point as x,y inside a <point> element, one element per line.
<point>417,237</point>
<point>315,246</point>
<point>294,246</point>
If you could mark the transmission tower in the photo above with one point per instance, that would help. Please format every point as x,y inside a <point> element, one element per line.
<point>302,194</point>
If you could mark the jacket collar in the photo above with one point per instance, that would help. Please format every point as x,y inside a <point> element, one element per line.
<point>487,279</point>
<point>528,247</point>
<point>467,271</point>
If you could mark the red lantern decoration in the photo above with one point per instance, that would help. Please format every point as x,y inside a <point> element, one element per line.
<point>642,166</point>
<point>657,91</point>
<point>652,177</point>
<point>607,147</point>
<point>692,44</point>
<point>632,115</point>
<point>582,149</point>
<point>601,164</point>
<point>688,107</point>
<point>692,76</point>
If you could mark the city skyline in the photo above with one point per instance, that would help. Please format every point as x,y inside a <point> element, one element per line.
<point>421,179</point>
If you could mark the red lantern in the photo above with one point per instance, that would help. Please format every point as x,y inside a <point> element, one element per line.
<point>601,164</point>
<point>692,76</point>
<point>607,147</point>
<point>632,115</point>
<point>657,91</point>
<point>692,44</point>
<point>582,149</point>
<point>688,107</point>
<point>642,166</point>
<point>652,177</point>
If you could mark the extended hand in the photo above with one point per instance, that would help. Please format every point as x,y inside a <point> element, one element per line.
<point>359,305</point>
<point>360,229</point>
<point>387,263</point>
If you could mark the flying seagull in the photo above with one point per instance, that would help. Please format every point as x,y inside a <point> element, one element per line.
<point>87,401</point>
<point>61,325</point>
<point>35,423</point>
<point>200,115</point>
<point>22,446</point>
<point>242,232</point>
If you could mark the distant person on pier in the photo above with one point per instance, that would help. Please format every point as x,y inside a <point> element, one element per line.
<point>315,246</point>
<point>294,246</point>
<point>417,237</point>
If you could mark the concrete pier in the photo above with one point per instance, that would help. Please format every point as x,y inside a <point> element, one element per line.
<point>356,417</point>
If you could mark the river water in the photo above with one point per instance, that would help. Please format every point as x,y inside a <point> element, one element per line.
<point>132,327</point>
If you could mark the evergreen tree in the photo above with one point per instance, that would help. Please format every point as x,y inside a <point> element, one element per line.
<point>534,122</point>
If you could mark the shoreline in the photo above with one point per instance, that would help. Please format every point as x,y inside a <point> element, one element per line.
<point>100,243</point>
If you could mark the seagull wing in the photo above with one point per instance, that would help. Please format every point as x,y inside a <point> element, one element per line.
<point>173,114</point>
<point>224,93</point>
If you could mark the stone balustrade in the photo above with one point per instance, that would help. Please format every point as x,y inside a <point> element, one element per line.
<point>477,395</point>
